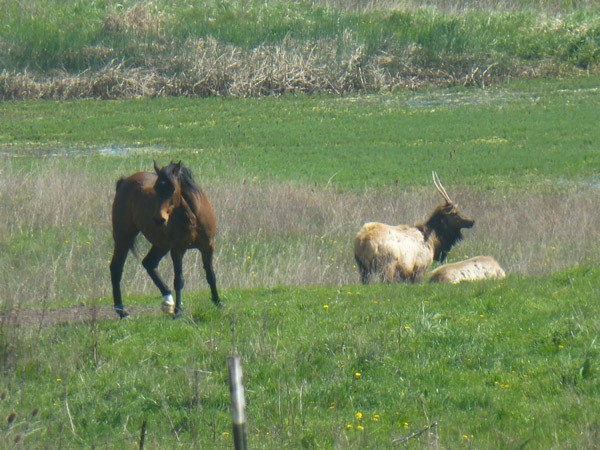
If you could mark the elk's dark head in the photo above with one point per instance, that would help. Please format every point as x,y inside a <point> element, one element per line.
<point>447,222</point>
<point>168,191</point>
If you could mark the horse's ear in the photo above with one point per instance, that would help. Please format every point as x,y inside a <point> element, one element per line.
<point>156,168</point>
<point>177,168</point>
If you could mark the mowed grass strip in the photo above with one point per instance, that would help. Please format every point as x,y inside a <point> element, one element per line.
<point>510,136</point>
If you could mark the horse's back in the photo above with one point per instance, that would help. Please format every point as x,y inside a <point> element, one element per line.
<point>133,194</point>
<point>134,210</point>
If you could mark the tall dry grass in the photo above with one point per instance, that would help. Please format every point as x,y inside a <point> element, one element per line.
<point>210,68</point>
<point>55,236</point>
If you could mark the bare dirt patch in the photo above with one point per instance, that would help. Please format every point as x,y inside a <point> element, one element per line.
<point>75,315</point>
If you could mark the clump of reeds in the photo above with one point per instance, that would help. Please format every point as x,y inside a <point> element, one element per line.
<point>223,70</point>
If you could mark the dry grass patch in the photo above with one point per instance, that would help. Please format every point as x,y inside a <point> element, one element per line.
<point>56,239</point>
<point>206,67</point>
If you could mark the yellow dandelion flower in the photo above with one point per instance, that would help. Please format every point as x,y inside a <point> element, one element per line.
<point>358,416</point>
<point>358,375</point>
<point>405,424</point>
<point>376,417</point>
<point>349,426</point>
<point>326,307</point>
<point>360,428</point>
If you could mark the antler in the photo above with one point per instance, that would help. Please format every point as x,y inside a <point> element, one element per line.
<point>440,188</point>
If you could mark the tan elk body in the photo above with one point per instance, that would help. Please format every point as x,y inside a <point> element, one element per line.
<point>473,269</point>
<point>405,252</point>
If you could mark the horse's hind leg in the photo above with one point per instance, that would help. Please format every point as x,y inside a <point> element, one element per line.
<point>116,273</point>
<point>211,278</point>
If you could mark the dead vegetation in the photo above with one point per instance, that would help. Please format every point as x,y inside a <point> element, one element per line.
<point>214,69</point>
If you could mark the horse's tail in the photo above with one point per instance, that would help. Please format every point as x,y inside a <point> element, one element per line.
<point>133,248</point>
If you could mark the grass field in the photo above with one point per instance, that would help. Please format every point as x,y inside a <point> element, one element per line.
<point>328,363</point>
<point>490,365</point>
<point>479,138</point>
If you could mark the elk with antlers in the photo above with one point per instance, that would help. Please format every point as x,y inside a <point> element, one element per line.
<point>405,252</point>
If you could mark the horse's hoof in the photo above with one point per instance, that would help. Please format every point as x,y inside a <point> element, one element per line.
<point>121,312</point>
<point>168,308</point>
<point>178,314</point>
<point>218,304</point>
<point>168,305</point>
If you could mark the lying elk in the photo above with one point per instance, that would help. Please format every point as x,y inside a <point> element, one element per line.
<point>405,252</point>
<point>473,269</point>
<point>174,214</point>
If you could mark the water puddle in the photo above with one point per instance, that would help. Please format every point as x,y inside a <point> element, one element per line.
<point>69,152</point>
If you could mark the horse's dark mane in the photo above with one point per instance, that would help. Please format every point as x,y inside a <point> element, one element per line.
<point>187,181</point>
<point>189,187</point>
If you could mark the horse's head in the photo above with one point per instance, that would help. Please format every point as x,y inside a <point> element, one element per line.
<point>168,191</point>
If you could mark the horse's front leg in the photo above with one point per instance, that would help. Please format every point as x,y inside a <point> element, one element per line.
<point>177,257</point>
<point>150,263</point>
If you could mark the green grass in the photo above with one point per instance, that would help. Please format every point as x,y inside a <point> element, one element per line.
<point>472,137</point>
<point>495,365</point>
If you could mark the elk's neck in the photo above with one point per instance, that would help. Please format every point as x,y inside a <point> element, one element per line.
<point>439,239</point>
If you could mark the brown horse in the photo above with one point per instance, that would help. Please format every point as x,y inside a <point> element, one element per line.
<point>174,214</point>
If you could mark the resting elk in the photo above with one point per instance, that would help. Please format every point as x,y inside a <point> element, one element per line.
<point>473,269</point>
<point>406,252</point>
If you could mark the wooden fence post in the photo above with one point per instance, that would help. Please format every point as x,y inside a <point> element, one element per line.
<point>143,435</point>
<point>238,402</point>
